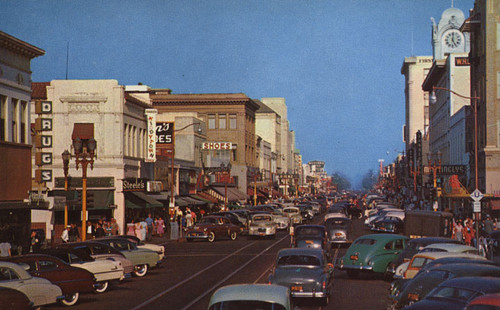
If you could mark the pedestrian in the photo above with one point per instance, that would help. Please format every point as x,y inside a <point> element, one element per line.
<point>458,230</point>
<point>131,229</point>
<point>5,249</point>
<point>189,218</point>
<point>160,227</point>
<point>99,232</point>
<point>73,233</point>
<point>115,229</point>
<point>35,242</point>
<point>65,234</point>
<point>468,233</point>
<point>149,222</point>
<point>488,225</point>
<point>138,230</point>
<point>90,230</point>
<point>144,230</point>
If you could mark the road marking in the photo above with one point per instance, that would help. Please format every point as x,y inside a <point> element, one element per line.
<point>150,300</point>
<point>232,274</point>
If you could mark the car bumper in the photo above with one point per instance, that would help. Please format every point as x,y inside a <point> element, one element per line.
<point>354,267</point>
<point>309,294</point>
<point>196,235</point>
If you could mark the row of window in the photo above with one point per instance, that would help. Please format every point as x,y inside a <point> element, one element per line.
<point>134,141</point>
<point>221,121</point>
<point>13,120</point>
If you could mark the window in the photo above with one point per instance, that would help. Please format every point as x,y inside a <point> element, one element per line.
<point>211,121</point>
<point>222,121</point>
<point>232,121</point>
<point>15,137</point>
<point>24,118</point>
<point>47,265</point>
<point>3,101</point>
<point>7,274</point>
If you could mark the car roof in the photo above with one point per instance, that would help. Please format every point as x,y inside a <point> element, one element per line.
<point>264,292</point>
<point>438,255</point>
<point>300,251</point>
<point>450,247</point>
<point>473,267</point>
<point>431,240</point>
<point>488,299</point>
<point>480,284</point>
<point>383,237</point>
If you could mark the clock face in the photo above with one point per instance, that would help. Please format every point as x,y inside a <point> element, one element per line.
<point>453,39</point>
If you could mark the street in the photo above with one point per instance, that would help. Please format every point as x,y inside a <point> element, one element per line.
<point>192,271</point>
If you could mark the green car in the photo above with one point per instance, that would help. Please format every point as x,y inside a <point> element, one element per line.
<point>371,253</point>
<point>141,258</point>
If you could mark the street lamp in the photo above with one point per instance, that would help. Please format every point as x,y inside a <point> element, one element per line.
<point>84,155</point>
<point>433,100</point>
<point>434,165</point>
<point>66,157</point>
<point>227,175</point>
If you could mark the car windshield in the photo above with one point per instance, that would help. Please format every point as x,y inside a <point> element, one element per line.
<point>298,260</point>
<point>260,218</point>
<point>246,305</point>
<point>290,210</point>
<point>309,231</point>
<point>366,241</point>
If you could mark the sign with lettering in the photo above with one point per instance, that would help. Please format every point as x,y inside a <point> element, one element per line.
<point>43,175</point>
<point>151,135</point>
<point>165,133</point>
<point>43,124</point>
<point>462,61</point>
<point>43,107</point>
<point>132,184</point>
<point>217,145</point>
<point>42,159</point>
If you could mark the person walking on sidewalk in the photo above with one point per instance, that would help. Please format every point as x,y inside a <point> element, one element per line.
<point>149,222</point>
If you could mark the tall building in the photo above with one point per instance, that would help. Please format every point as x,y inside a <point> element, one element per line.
<point>16,199</point>
<point>484,28</point>
<point>268,126</point>
<point>279,105</point>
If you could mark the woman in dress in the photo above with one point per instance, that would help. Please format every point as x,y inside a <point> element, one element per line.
<point>138,230</point>
<point>131,229</point>
<point>159,227</point>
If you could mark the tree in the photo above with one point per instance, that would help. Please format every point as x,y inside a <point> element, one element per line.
<point>369,180</point>
<point>341,180</point>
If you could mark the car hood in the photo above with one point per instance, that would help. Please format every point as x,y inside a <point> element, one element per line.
<point>297,274</point>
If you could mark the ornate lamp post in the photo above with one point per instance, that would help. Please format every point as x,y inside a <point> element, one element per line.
<point>66,157</point>
<point>84,155</point>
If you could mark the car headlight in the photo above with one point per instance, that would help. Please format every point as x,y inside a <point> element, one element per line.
<point>205,229</point>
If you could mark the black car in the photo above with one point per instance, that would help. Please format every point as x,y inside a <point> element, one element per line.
<point>389,224</point>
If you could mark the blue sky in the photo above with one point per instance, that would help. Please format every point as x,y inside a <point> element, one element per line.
<point>337,63</point>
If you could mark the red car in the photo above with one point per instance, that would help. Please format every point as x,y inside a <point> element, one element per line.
<point>212,227</point>
<point>71,280</point>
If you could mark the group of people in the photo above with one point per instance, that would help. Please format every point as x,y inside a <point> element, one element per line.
<point>465,231</point>
<point>147,228</point>
<point>99,229</point>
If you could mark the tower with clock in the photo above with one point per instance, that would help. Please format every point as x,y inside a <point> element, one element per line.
<point>446,36</point>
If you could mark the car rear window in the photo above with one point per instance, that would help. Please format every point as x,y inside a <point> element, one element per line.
<point>366,241</point>
<point>298,260</point>
<point>246,305</point>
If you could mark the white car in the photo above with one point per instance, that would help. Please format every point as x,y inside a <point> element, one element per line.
<point>262,224</point>
<point>104,270</point>
<point>294,214</point>
<point>160,249</point>
<point>38,290</point>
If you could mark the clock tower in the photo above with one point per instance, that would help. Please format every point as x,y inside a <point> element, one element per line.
<point>446,36</point>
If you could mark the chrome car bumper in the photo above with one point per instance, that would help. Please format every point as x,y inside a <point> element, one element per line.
<point>356,267</point>
<point>309,294</point>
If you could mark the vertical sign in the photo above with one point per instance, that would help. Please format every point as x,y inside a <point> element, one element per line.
<point>151,135</point>
<point>43,140</point>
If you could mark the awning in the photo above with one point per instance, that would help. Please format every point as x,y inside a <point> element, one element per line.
<point>205,198</point>
<point>250,192</point>
<point>191,201</point>
<point>233,194</point>
<point>136,200</point>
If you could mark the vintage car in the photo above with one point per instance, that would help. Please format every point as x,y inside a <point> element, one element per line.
<point>160,249</point>
<point>104,270</point>
<point>305,272</point>
<point>484,302</point>
<point>233,218</point>
<point>449,247</point>
<point>412,248</point>
<point>339,230</point>
<point>13,299</point>
<point>421,259</point>
<point>388,224</point>
<point>335,212</point>
<point>456,293</point>
<point>307,212</point>
<point>251,296</point>
<point>371,253</point>
<point>282,220</point>
<point>142,259</point>
<point>294,214</point>
<point>262,225</point>
<point>421,285</point>
<point>212,227</point>
<point>310,236</point>
<point>39,291</point>
<point>99,250</point>
<point>71,280</point>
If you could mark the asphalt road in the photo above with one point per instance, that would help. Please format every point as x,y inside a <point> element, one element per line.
<point>192,271</point>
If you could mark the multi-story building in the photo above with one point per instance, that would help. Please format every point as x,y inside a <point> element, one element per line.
<point>230,120</point>
<point>17,202</point>
<point>279,105</point>
<point>268,127</point>
<point>484,28</point>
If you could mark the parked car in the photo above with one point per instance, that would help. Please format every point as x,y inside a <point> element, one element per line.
<point>421,259</point>
<point>305,272</point>
<point>339,230</point>
<point>412,248</point>
<point>14,299</point>
<point>307,212</point>
<point>160,249</point>
<point>142,259</point>
<point>310,236</point>
<point>294,214</point>
<point>484,302</point>
<point>104,270</point>
<point>71,280</point>
<point>456,293</point>
<point>212,227</point>
<point>421,285</point>
<point>39,291</point>
<point>389,224</point>
<point>251,296</point>
<point>100,250</point>
<point>493,251</point>
<point>262,225</point>
<point>372,253</point>
<point>449,247</point>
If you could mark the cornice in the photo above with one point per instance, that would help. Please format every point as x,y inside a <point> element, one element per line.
<point>19,47</point>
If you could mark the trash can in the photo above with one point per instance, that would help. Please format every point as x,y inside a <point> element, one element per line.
<point>174,231</point>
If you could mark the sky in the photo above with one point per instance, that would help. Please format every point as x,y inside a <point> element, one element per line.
<point>337,63</point>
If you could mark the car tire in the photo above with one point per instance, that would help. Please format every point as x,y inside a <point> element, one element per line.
<point>140,270</point>
<point>101,287</point>
<point>211,237</point>
<point>70,299</point>
<point>353,274</point>
<point>233,235</point>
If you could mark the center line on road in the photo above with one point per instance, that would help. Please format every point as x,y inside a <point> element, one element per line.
<point>188,279</point>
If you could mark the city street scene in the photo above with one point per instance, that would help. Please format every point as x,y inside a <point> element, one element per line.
<point>250,155</point>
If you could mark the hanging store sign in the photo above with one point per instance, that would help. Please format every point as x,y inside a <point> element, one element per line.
<point>151,135</point>
<point>165,133</point>
<point>43,139</point>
